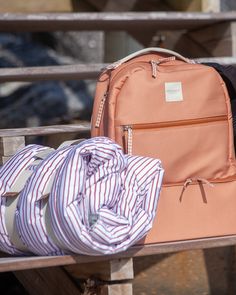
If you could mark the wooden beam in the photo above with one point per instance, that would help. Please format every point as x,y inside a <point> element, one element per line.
<point>64,72</point>
<point>46,130</point>
<point>111,21</point>
<point>21,263</point>
<point>75,72</point>
<point>50,281</point>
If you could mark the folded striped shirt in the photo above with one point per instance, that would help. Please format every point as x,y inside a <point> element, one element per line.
<point>31,213</point>
<point>10,173</point>
<point>103,201</point>
<point>89,198</point>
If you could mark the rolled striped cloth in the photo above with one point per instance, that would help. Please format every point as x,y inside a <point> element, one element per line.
<point>103,201</point>
<point>18,166</point>
<point>32,206</point>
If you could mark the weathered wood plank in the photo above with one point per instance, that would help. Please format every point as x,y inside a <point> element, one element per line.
<point>111,21</point>
<point>51,281</point>
<point>64,72</point>
<point>20,263</point>
<point>74,72</point>
<point>46,130</point>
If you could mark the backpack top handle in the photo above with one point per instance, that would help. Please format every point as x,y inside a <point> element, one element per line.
<point>149,50</point>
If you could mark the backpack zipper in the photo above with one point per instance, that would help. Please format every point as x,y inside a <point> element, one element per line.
<point>100,110</point>
<point>128,129</point>
<point>195,181</point>
<point>155,63</point>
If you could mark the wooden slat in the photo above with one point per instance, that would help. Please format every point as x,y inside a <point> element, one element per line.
<point>20,263</point>
<point>64,72</point>
<point>45,130</point>
<point>111,21</point>
<point>74,72</point>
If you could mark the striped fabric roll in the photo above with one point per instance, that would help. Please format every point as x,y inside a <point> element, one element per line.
<point>103,201</point>
<point>31,210</point>
<point>9,175</point>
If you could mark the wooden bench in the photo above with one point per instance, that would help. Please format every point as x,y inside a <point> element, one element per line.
<point>110,274</point>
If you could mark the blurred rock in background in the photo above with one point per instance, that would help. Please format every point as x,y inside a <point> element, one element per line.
<point>47,102</point>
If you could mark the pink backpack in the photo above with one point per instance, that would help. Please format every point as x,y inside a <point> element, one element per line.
<point>160,104</point>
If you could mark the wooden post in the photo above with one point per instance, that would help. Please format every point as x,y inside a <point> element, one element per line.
<point>117,289</point>
<point>9,145</point>
<point>121,272</point>
<point>211,5</point>
<point>107,278</point>
<point>218,5</point>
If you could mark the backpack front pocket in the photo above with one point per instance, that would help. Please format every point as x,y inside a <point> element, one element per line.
<point>189,148</point>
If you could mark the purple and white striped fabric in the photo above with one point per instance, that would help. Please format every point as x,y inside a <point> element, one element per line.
<point>30,215</point>
<point>103,201</point>
<point>9,174</point>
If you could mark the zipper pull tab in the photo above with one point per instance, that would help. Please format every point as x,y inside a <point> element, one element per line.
<point>100,110</point>
<point>129,131</point>
<point>155,63</point>
<point>154,68</point>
